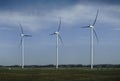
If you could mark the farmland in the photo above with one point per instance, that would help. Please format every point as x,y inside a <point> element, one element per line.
<point>62,74</point>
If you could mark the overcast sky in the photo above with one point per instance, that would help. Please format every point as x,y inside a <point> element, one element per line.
<point>41,18</point>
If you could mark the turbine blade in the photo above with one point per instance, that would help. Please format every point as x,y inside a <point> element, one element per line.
<point>96,18</point>
<point>59,25</point>
<point>96,35</point>
<point>28,35</point>
<point>61,39</point>
<point>52,34</point>
<point>21,42</point>
<point>21,28</point>
<point>85,27</point>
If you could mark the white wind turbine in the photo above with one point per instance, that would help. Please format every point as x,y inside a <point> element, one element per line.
<point>57,33</point>
<point>92,31</point>
<point>22,44</point>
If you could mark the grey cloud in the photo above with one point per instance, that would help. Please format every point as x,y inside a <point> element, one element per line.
<point>35,18</point>
<point>112,2</point>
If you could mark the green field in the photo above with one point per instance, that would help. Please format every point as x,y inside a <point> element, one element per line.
<point>49,74</point>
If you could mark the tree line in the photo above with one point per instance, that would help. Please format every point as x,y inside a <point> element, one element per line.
<point>67,66</point>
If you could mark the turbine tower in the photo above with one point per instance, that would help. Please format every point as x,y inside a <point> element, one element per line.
<point>57,33</point>
<point>22,44</point>
<point>92,32</point>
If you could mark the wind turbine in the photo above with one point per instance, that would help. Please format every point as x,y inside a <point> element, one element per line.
<point>57,33</point>
<point>22,43</point>
<point>92,32</point>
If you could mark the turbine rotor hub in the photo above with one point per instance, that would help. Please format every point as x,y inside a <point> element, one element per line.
<point>56,32</point>
<point>22,35</point>
<point>91,26</point>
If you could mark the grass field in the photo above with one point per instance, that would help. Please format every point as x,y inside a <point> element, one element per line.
<point>48,74</point>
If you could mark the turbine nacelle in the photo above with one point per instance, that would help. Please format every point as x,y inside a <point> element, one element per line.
<point>57,32</point>
<point>22,35</point>
<point>91,26</point>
